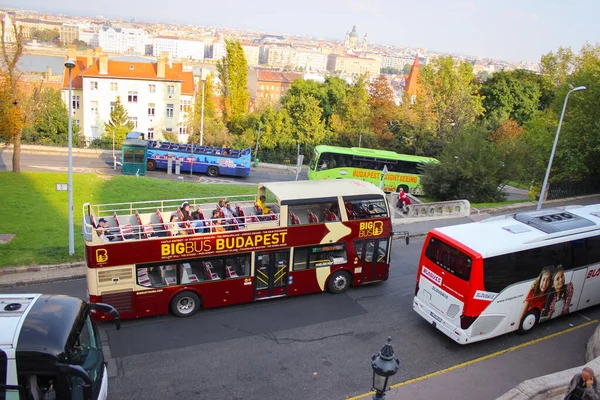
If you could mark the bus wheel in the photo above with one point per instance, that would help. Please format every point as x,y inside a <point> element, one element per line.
<point>529,320</point>
<point>151,165</point>
<point>338,282</point>
<point>185,304</point>
<point>402,187</point>
<point>212,171</point>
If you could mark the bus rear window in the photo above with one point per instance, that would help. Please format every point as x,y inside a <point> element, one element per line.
<point>449,258</point>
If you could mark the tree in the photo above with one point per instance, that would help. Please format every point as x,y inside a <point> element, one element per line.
<point>14,116</point>
<point>233,72</point>
<point>511,95</point>
<point>382,109</point>
<point>169,136</point>
<point>415,130</point>
<point>307,126</point>
<point>350,119</point>
<point>50,123</point>
<point>215,132</point>
<point>119,124</point>
<point>390,71</point>
<point>470,167</point>
<point>456,102</point>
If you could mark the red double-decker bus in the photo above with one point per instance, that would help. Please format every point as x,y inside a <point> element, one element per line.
<point>144,259</point>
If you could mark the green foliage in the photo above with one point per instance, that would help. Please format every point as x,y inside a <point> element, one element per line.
<point>119,125</point>
<point>391,71</point>
<point>511,94</point>
<point>46,35</point>
<point>307,119</point>
<point>453,93</point>
<point>233,72</point>
<point>215,131</point>
<point>50,122</point>
<point>170,136</point>
<point>470,167</point>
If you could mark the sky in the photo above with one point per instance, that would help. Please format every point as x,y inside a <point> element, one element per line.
<point>511,30</point>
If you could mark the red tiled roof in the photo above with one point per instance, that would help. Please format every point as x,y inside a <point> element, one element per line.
<point>123,70</point>
<point>412,82</point>
<point>276,76</point>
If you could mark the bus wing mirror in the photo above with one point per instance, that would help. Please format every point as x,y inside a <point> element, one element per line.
<point>78,371</point>
<point>404,234</point>
<point>107,308</point>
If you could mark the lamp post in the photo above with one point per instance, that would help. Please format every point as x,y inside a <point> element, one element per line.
<point>385,365</point>
<point>543,192</point>
<point>202,115</point>
<point>70,64</point>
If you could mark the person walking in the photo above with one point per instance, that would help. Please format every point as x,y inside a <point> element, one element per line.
<point>583,386</point>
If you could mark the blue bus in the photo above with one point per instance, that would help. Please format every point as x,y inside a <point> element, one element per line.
<point>210,160</point>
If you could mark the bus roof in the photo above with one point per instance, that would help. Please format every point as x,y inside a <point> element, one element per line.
<point>382,154</point>
<point>287,192</point>
<point>40,323</point>
<point>514,232</point>
<point>13,311</point>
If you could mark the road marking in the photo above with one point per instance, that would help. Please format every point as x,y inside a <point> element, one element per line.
<point>483,358</point>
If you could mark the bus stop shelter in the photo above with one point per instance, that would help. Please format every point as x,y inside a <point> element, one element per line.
<point>134,157</point>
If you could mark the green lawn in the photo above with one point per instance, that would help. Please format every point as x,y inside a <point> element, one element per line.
<point>498,204</point>
<point>37,214</point>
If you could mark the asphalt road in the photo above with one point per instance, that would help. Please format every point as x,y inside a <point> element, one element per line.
<point>57,162</point>
<point>310,347</point>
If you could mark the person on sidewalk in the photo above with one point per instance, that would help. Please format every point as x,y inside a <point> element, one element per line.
<point>583,386</point>
<point>403,201</point>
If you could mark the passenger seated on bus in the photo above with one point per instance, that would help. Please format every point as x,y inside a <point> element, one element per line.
<point>186,211</point>
<point>174,227</point>
<point>40,389</point>
<point>104,231</point>
<point>198,223</point>
<point>262,203</point>
<point>323,165</point>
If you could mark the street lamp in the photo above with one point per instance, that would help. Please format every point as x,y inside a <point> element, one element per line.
<point>70,64</point>
<point>202,115</point>
<point>543,192</point>
<point>384,365</point>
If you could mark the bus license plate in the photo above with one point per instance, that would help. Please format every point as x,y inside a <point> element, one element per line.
<point>438,319</point>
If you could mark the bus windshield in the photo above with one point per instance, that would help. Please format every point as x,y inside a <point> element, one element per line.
<point>449,258</point>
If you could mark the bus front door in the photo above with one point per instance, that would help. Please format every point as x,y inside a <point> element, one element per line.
<point>373,258</point>
<point>271,274</point>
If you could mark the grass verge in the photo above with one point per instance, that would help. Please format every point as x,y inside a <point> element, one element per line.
<point>37,214</point>
<point>498,204</point>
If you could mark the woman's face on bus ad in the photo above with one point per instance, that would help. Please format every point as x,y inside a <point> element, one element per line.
<point>559,280</point>
<point>545,282</point>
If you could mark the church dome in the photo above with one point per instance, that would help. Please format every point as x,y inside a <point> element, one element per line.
<point>353,33</point>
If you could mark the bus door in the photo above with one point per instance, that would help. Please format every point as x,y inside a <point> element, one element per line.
<point>373,257</point>
<point>271,274</point>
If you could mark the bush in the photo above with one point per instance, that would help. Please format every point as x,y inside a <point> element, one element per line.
<point>470,167</point>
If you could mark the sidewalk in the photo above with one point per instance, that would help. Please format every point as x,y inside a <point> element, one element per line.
<point>491,377</point>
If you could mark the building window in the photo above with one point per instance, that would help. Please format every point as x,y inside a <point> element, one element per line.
<point>94,85</point>
<point>135,122</point>
<point>182,130</point>
<point>185,106</point>
<point>170,89</point>
<point>75,102</point>
<point>94,107</point>
<point>151,108</point>
<point>169,110</point>
<point>132,97</point>
<point>150,133</point>
<point>113,86</point>
<point>262,87</point>
<point>76,122</point>
<point>152,88</point>
<point>272,87</point>
<point>113,104</point>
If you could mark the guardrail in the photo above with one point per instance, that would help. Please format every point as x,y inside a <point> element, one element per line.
<point>428,211</point>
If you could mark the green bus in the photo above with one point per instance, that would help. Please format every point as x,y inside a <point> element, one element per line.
<point>331,162</point>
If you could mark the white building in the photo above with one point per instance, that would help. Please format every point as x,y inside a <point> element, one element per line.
<point>178,48</point>
<point>122,40</point>
<point>89,36</point>
<point>218,50</point>
<point>252,53</point>
<point>310,60</point>
<point>158,95</point>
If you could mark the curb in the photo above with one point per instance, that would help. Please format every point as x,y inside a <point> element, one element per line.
<point>39,274</point>
<point>514,206</point>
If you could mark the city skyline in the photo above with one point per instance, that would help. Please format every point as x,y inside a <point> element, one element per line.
<point>475,28</point>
